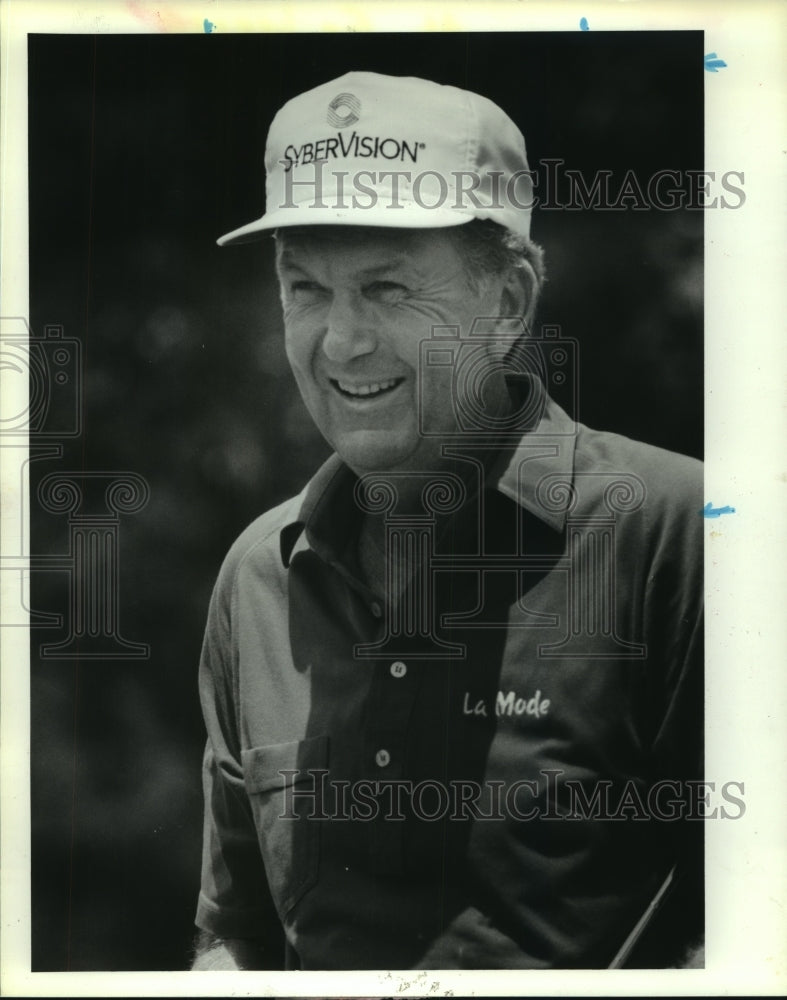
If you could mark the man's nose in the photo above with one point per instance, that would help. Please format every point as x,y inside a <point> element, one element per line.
<point>350,330</point>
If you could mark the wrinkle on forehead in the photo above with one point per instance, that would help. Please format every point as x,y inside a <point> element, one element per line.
<point>419,256</point>
<point>295,256</point>
<point>317,238</point>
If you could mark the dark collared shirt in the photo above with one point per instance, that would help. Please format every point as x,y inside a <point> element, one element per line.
<point>475,779</point>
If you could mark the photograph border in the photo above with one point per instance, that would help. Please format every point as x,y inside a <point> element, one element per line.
<point>744,299</point>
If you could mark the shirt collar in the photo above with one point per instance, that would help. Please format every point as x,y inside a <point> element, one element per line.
<point>531,471</point>
<point>539,468</point>
<point>323,513</point>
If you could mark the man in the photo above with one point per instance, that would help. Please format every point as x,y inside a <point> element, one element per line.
<point>453,690</point>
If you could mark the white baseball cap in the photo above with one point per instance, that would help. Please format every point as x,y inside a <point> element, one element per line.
<point>374,150</point>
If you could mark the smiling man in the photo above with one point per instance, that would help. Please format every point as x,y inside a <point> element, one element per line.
<point>453,690</point>
<point>357,304</point>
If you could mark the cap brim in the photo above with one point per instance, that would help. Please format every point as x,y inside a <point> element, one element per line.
<point>405,217</point>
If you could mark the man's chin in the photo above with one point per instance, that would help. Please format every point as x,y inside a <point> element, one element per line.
<point>384,455</point>
<point>364,464</point>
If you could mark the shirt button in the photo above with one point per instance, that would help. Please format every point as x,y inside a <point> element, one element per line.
<point>382,758</point>
<point>398,669</point>
<point>376,610</point>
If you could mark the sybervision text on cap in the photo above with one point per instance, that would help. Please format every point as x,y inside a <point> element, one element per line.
<point>353,145</point>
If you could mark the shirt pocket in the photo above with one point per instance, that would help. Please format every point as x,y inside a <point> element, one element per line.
<point>284,784</point>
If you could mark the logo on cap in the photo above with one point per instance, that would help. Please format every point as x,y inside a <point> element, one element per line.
<point>353,109</point>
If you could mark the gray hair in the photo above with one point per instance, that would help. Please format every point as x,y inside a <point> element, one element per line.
<point>487,248</point>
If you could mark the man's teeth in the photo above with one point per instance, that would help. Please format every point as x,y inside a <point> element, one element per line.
<point>369,389</point>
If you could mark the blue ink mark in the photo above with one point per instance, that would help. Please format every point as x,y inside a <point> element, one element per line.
<point>712,63</point>
<point>710,511</point>
<point>583,25</point>
<point>208,26</point>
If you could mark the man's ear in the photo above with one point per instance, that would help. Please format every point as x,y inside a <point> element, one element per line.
<point>519,294</point>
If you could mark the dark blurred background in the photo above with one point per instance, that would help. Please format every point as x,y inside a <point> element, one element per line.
<point>143,150</point>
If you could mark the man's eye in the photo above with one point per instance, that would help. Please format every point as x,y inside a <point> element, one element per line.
<point>386,290</point>
<point>305,291</point>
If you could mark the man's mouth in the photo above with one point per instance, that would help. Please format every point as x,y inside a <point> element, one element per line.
<point>366,390</point>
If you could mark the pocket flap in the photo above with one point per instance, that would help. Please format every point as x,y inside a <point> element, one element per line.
<point>262,766</point>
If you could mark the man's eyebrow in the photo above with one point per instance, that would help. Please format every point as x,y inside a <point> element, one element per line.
<point>394,264</point>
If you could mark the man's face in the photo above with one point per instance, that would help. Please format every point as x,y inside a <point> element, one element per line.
<point>357,304</point>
